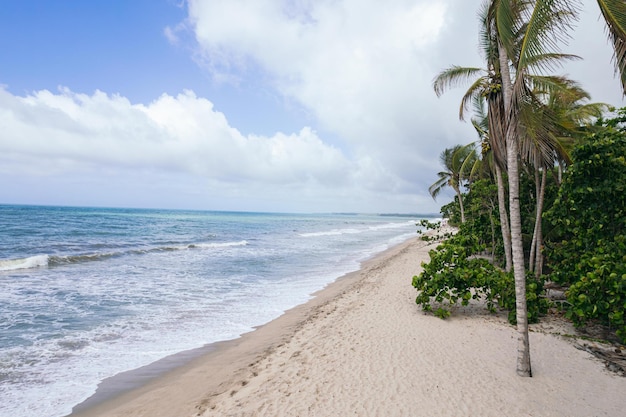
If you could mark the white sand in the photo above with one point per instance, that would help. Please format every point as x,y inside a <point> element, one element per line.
<point>364,348</point>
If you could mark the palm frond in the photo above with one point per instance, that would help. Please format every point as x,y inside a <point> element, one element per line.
<point>545,62</point>
<point>474,92</point>
<point>614,12</point>
<point>487,41</point>
<point>547,25</point>
<point>479,108</point>
<point>452,77</point>
<point>469,158</point>
<point>496,120</point>
<point>584,114</point>
<point>436,188</point>
<point>556,88</point>
<point>504,14</point>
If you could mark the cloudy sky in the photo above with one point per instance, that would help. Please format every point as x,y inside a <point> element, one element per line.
<point>256,105</point>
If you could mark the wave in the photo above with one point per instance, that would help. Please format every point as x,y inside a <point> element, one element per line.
<point>24,263</point>
<point>218,245</point>
<point>39,261</point>
<point>392,225</point>
<point>338,232</point>
<point>334,232</point>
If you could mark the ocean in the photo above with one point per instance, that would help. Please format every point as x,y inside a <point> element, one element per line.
<point>88,293</point>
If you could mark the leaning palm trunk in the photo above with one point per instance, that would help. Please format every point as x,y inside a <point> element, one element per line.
<point>504,221</point>
<point>533,244</point>
<point>538,226</point>
<point>460,197</point>
<point>535,261</point>
<point>517,249</point>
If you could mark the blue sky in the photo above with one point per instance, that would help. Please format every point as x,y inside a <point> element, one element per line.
<point>119,46</point>
<point>270,105</point>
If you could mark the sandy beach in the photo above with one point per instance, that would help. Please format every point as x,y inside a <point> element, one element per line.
<point>363,347</point>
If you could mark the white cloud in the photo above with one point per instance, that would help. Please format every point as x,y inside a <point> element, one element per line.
<point>61,134</point>
<point>359,65</point>
<point>182,133</point>
<point>363,68</point>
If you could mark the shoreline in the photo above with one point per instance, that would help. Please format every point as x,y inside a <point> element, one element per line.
<point>362,346</point>
<point>122,388</point>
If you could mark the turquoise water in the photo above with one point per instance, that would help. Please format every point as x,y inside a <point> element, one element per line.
<point>87,293</point>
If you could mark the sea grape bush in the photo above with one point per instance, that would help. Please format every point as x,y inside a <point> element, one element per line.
<point>589,251</point>
<point>483,219</point>
<point>454,274</point>
<point>451,275</point>
<point>452,212</point>
<point>600,293</point>
<point>537,304</point>
<point>428,225</point>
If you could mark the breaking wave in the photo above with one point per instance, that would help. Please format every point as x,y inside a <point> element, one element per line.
<point>40,261</point>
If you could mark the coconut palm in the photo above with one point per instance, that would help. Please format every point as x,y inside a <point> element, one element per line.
<point>457,162</point>
<point>547,144</point>
<point>528,33</point>
<point>569,113</point>
<point>523,36</point>
<point>485,87</point>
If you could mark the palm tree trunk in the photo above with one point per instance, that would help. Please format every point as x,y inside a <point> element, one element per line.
<point>533,244</point>
<point>493,232</point>
<point>504,221</point>
<point>458,194</point>
<point>538,226</point>
<point>517,249</point>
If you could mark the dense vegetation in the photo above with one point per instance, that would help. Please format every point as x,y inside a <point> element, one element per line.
<point>585,244</point>
<point>544,147</point>
<point>587,249</point>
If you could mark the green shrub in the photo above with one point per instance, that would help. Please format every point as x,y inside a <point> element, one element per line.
<point>455,275</point>
<point>600,293</point>
<point>589,220</point>
<point>537,304</point>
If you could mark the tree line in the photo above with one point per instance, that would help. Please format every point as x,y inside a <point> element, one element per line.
<point>542,198</point>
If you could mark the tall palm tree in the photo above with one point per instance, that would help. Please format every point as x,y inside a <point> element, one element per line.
<point>528,33</point>
<point>525,33</point>
<point>487,87</point>
<point>457,162</point>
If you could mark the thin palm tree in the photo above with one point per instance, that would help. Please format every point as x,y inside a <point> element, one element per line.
<point>547,144</point>
<point>457,162</point>
<point>528,32</point>
<point>486,88</point>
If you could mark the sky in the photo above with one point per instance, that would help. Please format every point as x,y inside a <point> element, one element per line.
<point>246,105</point>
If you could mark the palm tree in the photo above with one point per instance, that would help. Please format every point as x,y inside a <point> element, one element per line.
<point>457,162</point>
<point>527,33</point>
<point>486,88</point>
<point>523,35</point>
<point>547,144</point>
